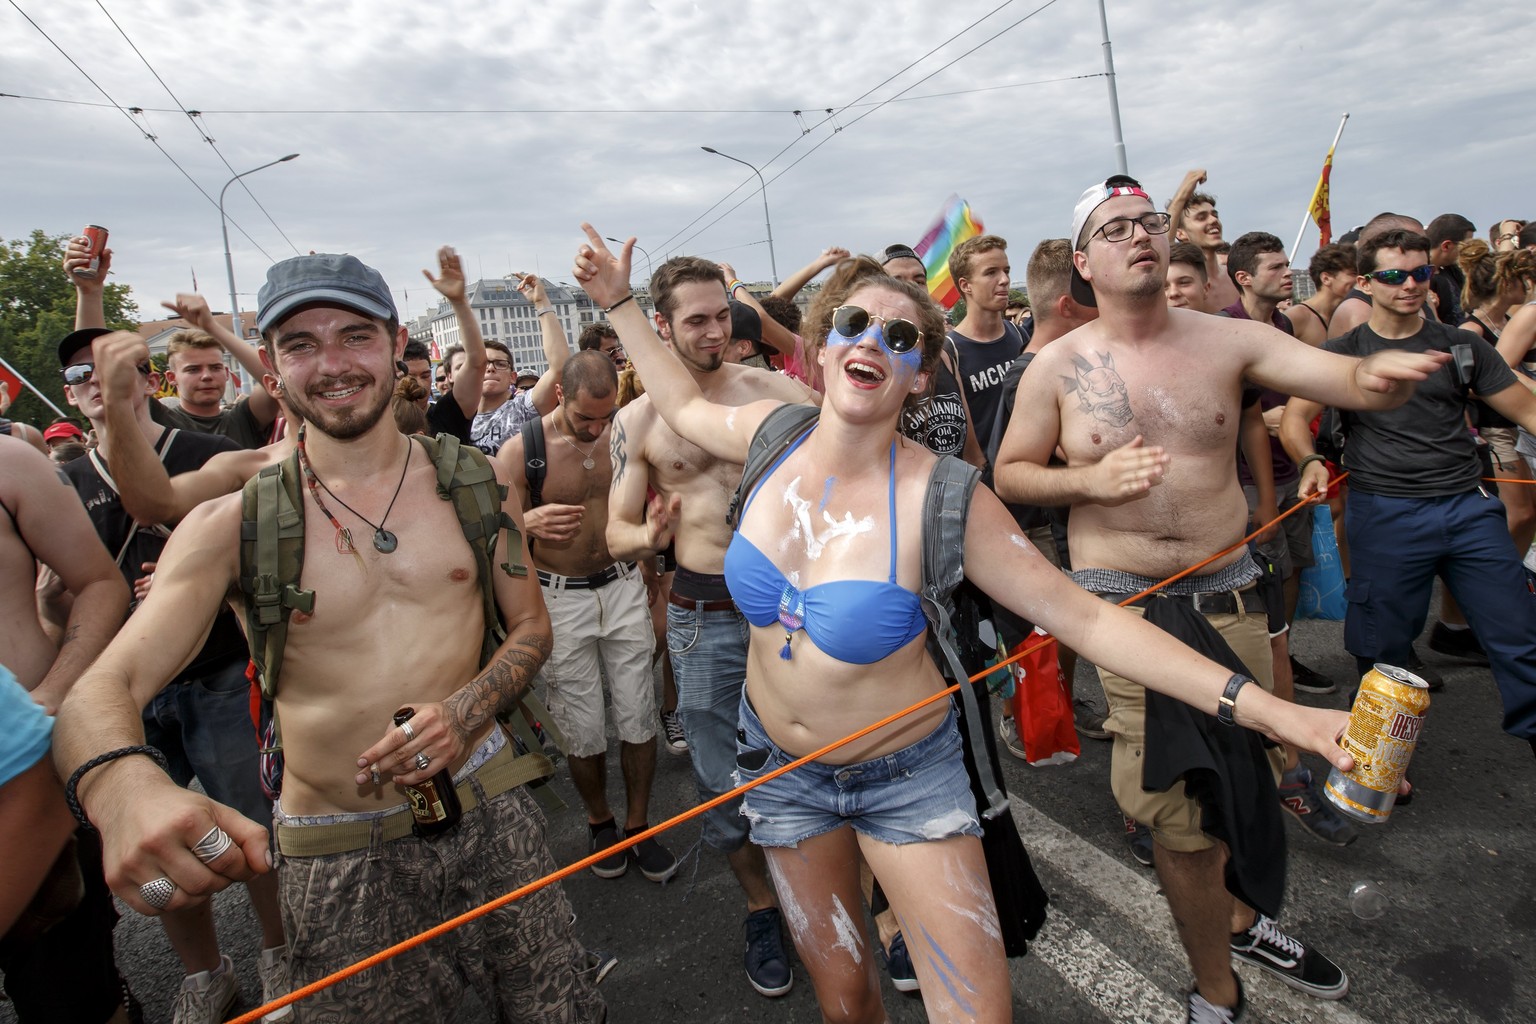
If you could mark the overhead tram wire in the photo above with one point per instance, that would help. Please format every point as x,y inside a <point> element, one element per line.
<point>831,114</point>
<point>136,126</point>
<point>192,117</point>
<point>865,114</point>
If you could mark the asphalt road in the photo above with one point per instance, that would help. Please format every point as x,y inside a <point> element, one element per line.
<point>1457,866</point>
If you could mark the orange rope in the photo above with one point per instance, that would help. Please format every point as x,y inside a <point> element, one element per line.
<point>252,1016</point>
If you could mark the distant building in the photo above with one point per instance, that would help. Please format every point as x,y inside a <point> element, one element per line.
<point>504,315</point>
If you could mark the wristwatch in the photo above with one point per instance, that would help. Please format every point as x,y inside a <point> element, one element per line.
<point>1228,701</point>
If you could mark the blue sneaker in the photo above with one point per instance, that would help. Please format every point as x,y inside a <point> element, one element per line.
<point>898,963</point>
<point>766,962</point>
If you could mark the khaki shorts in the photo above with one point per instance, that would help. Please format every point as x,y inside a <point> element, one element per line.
<point>1502,441</point>
<point>598,632</point>
<point>1172,815</point>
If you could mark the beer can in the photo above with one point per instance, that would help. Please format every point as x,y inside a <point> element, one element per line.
<point>96,241</point>
<point>1383,730</point>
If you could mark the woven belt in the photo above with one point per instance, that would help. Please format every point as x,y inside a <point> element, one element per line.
<point>704,606</point>
<point>505,770</point>
<point>616,571</point>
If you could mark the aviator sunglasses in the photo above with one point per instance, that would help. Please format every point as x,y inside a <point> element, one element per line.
<point>900,336</point>
<point>1397,277</point>
<point>81,373</point>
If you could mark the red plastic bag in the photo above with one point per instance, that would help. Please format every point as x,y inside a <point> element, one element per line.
<point>1042,702</point>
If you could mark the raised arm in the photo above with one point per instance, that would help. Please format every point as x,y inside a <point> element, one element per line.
<point>470,378</point>
<point>89,308</point>
<point>775,335</point>
<point>147,822</point>
<point>193,308</point>
<point>791,285</point>
<point>1192,180</point>
<point>556,348</point>
<point>723,431</point>
<point>53,524</point>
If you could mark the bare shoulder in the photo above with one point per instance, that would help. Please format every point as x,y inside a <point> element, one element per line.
<point>18,459</point>
<point>744,384</point>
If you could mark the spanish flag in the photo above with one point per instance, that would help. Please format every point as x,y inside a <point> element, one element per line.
<point>1319,209</point>
<point>955,224</point>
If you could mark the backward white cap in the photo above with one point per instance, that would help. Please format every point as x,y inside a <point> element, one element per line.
<point>1092,198</point>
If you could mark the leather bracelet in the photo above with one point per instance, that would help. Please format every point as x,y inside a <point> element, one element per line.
<point>1227,703</point>
<point>1307,460</point>
<point>616,305</point>
<point>96,762</point>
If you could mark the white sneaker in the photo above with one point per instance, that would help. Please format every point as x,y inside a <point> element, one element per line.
<point>207,996</point>
<point>1008,731</point>
<point>276,981</point>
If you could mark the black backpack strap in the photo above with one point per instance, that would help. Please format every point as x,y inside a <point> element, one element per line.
<point>780,429</point>
<point>945,509</point>
<point>535,468</point>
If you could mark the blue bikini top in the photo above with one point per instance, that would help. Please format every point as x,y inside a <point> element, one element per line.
<point>856,621</point>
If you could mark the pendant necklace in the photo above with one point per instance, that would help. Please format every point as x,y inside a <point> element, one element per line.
<point>586,456</point>
<point>384,542</point>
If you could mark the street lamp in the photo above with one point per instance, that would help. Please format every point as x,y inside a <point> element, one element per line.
<point>647,255</point>
<point>229,264</point>
<point>772,262</point>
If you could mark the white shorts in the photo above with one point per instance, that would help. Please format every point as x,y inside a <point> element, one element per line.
<point>596,631</point>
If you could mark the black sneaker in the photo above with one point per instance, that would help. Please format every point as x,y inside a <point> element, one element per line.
<point>1265,946</point>
<point>1088,720</point>
<point>1457,643</point>
<point>898,963</point>
<point>1139,838</point>
<point>1416,665</point>
<point>614,865</point>
<point>672,727</point>
<point>1299,795</point>
<point>655,861</point>
<point>767,963</point>
<point>1309,680</point>
<point>1201,1012</point>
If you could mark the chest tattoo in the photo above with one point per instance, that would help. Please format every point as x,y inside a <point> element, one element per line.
<point>1101,392</point>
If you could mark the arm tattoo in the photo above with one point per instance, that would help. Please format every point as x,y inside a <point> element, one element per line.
<point>500,686</point>
<point>70,636</point>
<point>618,451</point>
<point>1101,392</point>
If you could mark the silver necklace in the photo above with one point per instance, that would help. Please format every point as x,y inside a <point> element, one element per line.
<point>586,456</point>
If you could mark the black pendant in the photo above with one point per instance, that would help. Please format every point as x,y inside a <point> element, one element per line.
<point>384,542</point>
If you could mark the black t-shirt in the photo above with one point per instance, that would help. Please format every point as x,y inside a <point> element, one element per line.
<point>237,423</point>
<point>1421,449</point>
<point>183,451</point>
<point>937,421</point>
<point>445,417</point>
<point>1447,284</point>
<point>983,365</point>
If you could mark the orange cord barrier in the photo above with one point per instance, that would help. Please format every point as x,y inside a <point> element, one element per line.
<point>252,1016</point>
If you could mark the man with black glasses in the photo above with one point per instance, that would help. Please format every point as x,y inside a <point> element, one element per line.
<point>1417,504</point>
<point>1145,403</point>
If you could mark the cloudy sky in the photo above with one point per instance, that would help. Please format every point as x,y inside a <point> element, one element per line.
<point>498,127</point>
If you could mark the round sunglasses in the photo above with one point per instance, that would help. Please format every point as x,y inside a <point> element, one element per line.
<point>898,335</point>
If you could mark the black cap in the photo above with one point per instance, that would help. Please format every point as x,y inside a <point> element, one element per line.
<point>746,325</point>
<point>74,341</point>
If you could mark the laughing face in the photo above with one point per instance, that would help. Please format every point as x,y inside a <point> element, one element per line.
<point>338,368</point>
<point>864,366</point>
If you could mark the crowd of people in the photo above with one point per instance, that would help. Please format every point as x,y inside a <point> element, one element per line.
<point>805,520</point>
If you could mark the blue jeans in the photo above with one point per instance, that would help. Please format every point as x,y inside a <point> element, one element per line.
<point>203,726</point>
<point>916,794</point>
<point>709,662</point>
<point>1396,548</point>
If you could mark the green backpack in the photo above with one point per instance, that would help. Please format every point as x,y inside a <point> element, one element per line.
<point>272,563</point>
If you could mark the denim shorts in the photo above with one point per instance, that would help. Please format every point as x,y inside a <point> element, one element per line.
<point>914,795</point>
<point>203,726</point>
<point>709,662</point>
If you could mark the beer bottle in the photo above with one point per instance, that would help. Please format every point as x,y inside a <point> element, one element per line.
<point>434,803</point>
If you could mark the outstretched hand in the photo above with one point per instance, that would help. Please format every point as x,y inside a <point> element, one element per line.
<point>604,276</point>
<point>450,280</point>
<point>1383,371</point>
<point>533,289</point>
<point>192,308</point>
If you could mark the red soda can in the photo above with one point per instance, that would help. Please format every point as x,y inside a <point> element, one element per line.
<point>1383,730</point>
<point>96,241</point>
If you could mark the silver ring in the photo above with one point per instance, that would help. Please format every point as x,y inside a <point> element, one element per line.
<point>213,845</point>
<point>422,761</point>
<point>410,733</point>
<point>158,892</point>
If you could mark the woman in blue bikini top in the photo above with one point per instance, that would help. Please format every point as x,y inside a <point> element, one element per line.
<point>827,580</point>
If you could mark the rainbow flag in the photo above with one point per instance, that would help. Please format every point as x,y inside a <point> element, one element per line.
<point>955,224</point>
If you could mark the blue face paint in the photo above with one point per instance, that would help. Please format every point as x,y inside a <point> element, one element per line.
<point>826,493</point>
<point>911,359</point>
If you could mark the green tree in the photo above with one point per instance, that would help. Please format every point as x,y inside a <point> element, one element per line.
<point>37,308</point>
